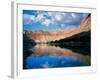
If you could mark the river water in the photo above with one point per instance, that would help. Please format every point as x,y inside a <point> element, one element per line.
<point>46,56</point>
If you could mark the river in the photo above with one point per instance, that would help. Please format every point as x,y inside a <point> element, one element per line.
<point>46,56</point>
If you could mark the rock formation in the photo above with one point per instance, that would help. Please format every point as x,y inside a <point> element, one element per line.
<point>40,36</point>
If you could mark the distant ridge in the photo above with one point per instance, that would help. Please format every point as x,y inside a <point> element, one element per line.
<point>42,36</point>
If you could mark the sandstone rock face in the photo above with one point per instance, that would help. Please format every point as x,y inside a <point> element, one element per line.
<point>86,24</point>
<point>41,36</point>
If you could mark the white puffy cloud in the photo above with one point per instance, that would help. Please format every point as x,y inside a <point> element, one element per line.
<point>73,15</point>
<point>62,25</point>
<point>27,19</point>
<point>53,18</point>
<point>40,18</point>
<point>58,17</point>
<point>46,22</point>
<point>49,13</point>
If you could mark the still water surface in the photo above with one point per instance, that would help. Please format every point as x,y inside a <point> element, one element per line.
<point>46,56</point>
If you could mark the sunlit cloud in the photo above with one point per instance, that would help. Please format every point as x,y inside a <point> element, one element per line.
<point>61,19</point>
<point>62,25</point>
<point>28,19</point>
<point>58,17</point>
<point>46,22</point>
<point>40,18</point>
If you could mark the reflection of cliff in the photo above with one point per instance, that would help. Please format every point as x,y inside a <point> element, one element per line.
<point>41,36</point>
<point>27,42</point>
<point>75,43</point>
<point>43,50</point>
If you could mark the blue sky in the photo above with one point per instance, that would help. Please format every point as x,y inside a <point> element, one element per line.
<point>49,20</point>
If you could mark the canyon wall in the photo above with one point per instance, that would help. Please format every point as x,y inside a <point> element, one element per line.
<point>42,36</point>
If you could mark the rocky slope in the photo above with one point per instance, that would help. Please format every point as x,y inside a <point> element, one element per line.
<point>41,36</point>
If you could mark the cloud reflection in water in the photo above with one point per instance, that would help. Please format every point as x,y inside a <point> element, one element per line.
<point>49,62</point>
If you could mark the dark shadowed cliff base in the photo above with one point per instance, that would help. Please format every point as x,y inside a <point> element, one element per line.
<point>27,45</point>
<point>80,43</point>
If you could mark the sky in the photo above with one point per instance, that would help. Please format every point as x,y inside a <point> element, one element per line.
<point>51,20</point>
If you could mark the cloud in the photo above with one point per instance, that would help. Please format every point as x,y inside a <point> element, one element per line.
<point>28,19</point>
<point>49,13</point>
<point>46,65</point>
<point>54,18</point>
<point>46,22</point>
<point>73,15</point>
<point>58,17</point>
<point>40,18</point>
<point>62,25</point>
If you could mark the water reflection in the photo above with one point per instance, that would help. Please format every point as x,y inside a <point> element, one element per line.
<point>45,56</point>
